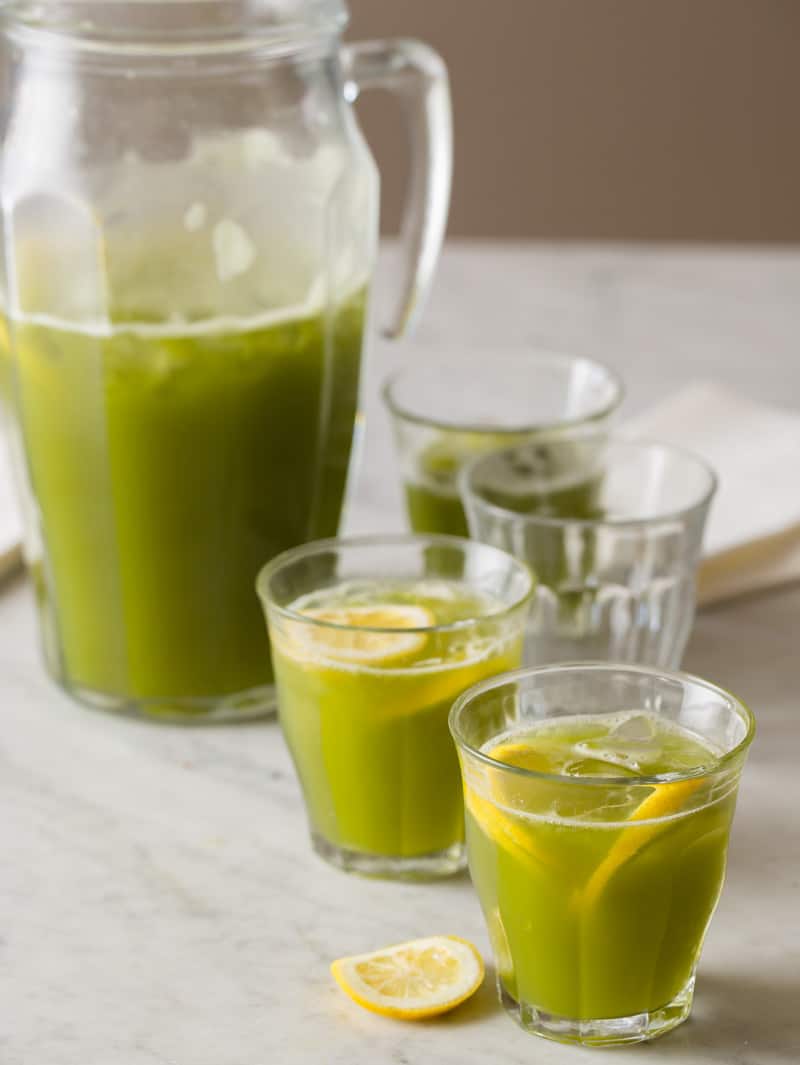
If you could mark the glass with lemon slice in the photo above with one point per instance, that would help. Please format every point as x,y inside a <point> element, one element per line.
<point>599,801</point>
<point>372,640</point>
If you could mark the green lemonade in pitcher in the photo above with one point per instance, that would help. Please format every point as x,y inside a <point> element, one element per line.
<point>168,464</point>
<point>597,898</point>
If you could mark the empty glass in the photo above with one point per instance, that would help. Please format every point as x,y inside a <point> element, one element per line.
<point>613,531</point>
<point>447,412</point>
<point>599,801</point>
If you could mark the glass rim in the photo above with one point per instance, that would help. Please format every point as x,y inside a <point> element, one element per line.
<point>541,356</point>
<point>467,492</point>
<point>499,680</point>
<point>314,547</point>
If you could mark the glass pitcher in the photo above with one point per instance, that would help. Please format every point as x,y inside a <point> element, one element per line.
<point>189,223</point>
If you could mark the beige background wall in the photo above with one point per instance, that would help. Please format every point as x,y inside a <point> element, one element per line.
<point>622,119</point>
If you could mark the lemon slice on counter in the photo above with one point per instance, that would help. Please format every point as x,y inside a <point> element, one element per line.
<point>414,980</point>
<point>367,647</point>
<point>667,799</point>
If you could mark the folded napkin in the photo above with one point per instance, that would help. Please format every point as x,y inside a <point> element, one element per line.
<point>10,525</point>
<point>752,539</point>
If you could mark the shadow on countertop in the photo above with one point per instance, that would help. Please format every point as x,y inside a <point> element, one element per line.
<point>738,1019</point>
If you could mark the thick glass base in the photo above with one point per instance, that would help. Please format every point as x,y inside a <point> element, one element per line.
<point>604,1032</point>
<point>420,867</point>
<point>227,709</point>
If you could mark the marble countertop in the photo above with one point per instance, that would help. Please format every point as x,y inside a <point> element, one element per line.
<point>159,903</point>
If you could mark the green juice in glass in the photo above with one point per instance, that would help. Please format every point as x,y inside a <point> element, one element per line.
<point>597,898</point>
<point>365,713</point>
<point>435,511</point>
<point>431,487</point>
<point>432,491</point>
<point>167,464</point>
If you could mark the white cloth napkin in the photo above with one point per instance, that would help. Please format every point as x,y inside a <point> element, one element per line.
<point>752,539</point>
<point>10,524</point>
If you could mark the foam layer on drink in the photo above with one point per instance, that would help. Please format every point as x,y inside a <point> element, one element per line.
<point>179,325</point>
<point>395,625</point>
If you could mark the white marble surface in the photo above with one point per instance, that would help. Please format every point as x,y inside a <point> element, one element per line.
<point>159,904</point>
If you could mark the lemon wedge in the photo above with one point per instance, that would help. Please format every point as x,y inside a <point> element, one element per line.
<point>355,642</point>
<point>414,980</point>
<point>520,755</point>
<point>502,827</point>
<point>665,800</point>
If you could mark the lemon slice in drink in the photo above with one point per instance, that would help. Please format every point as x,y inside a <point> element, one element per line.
<point>491,811</point>
<point>520,755</point>
<point>414,980</point>
<point>667,799</point>
<point>355,641</point>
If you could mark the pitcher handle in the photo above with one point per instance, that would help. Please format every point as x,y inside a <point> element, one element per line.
<point>416,74</point>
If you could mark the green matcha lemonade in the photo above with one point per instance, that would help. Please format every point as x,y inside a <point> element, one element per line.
<point>372,642</point>
<point>448,412</point>
<point>167,464</point>
<point>190,223</point>
<point>598,839</point>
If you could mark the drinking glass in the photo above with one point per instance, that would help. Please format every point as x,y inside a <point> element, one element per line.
<point>613,531</point>
<point>597,890</point>
<point>372,639</point>
<point>446,412</point>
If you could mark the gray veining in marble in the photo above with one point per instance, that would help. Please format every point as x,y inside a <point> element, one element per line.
<point>159,904</point>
